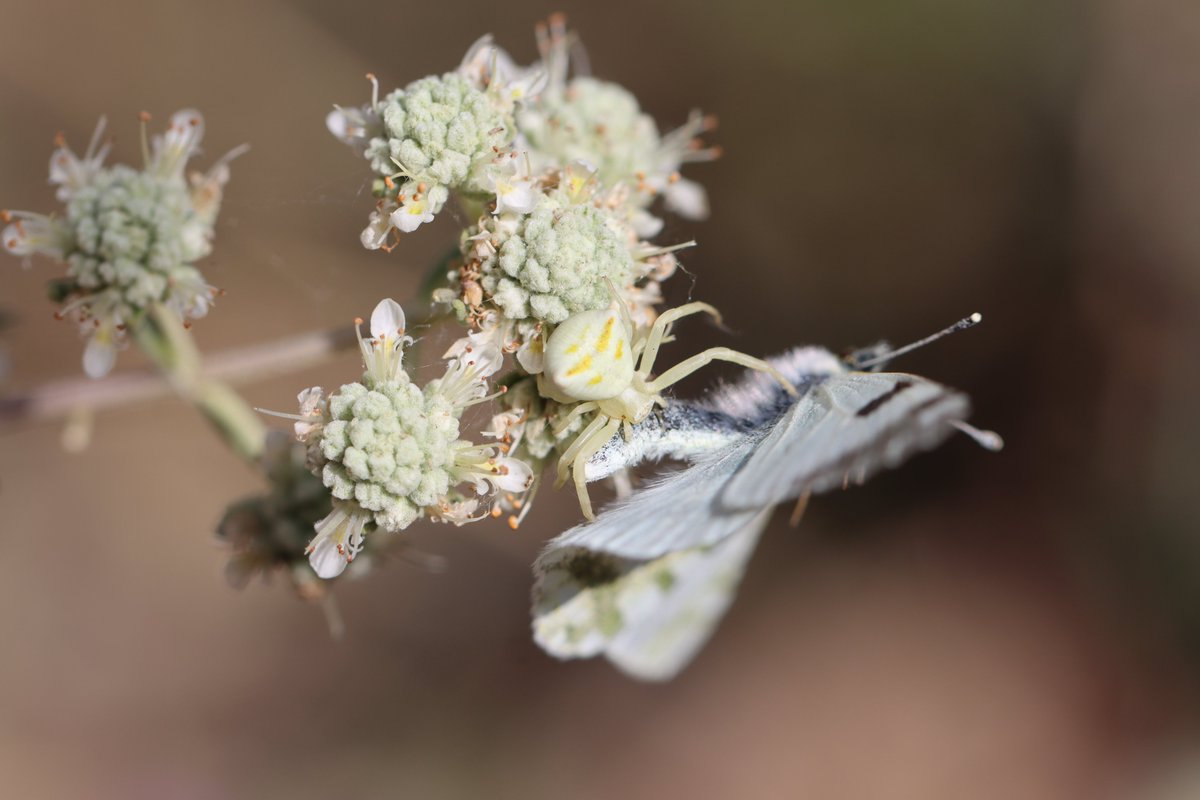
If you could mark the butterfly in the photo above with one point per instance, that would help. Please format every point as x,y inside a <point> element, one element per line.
<point>646,583</point>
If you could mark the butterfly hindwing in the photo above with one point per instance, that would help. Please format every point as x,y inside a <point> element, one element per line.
<point>675,512</point>
<point>649,617</point>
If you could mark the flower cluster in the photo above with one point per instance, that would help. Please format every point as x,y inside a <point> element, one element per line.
<point>390,452</point>
<point>499,136</point>
<point>559,173</point>
<point>128,237</point>
<point>436,135</point>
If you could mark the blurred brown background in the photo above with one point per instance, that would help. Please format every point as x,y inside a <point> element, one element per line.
<point>1022,625</point>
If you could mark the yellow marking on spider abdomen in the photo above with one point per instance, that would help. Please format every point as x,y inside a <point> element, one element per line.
<point>605,335</point>
<point>582,365</point>
<point>620,349</point>
<point>595,381</point>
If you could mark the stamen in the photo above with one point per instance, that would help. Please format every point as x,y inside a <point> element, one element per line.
<point>143,118</point>
<point>95,142</point>
<point>282,415</point>
<point>500,392</point>
<point>374,90</point>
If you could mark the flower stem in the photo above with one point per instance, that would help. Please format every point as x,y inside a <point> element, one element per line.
<point>162,336</point>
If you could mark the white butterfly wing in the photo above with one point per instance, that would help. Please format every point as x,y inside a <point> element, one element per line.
<point>649,617</point>
<point>847,428</point>
<point>680,511</point>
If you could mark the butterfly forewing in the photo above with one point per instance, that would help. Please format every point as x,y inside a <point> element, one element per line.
<point>846,429</point>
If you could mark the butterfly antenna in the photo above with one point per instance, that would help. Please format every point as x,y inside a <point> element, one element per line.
<point>988,440</point>
<point>961,325</point>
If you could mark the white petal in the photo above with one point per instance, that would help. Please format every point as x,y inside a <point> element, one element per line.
<point>173,148</point>
<point>15,241</point>
<point>189,123</point>
<point>458,348</point>
<point>687,199</point>
<point>487,359</point>
<point>515,475</point>
<point>325,559</point>
<point>99,356</point>
<point>646,225</point>
<point>531,356</point>
<point>376,232</point>
<point>339,125</point>
<point>353,126</point>
<point>531,85</point>
<point>408,218</point>
<point>477,61</point>
<point>387,319</point>
<point>310,399</point>
<point>520,198</point>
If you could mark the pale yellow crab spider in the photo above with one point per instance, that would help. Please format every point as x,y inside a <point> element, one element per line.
<point>594,360</point>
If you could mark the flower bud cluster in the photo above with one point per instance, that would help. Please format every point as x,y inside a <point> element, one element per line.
<point>389,451</point>
<point>128,237</point>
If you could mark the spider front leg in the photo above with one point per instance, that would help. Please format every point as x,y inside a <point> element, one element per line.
<point>690,365</point>
<point>658,331</point>
<point>579,465</point>
<point>567,458</point>
<point>575,413</point>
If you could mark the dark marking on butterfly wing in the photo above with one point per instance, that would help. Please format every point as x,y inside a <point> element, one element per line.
<point>875,404</point>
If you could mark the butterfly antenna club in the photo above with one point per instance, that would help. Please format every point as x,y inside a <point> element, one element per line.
<point>961,325</point>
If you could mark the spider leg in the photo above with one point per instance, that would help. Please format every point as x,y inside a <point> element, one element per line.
<point>626,317</point>
<point>658,330</point>
<point>579,465</point>
<point>690,365</point>
<point>575,413</point>
<point>568,456</point>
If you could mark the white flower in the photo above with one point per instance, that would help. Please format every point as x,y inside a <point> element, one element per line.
<point>414,212</point>
<point>30,233</point>
<point>457,513</point>
<point>171,150</point>
<point>100,353</point>
<point>354,126</point>
<point>69,172</point>
<point>383,353</point>
<point>488,66</point>
<point>208,187</point>
<point>339,539</point>
<point>489,472</point>
<point>515,192</point>
<point>377,230</point>
<point>312,409</point>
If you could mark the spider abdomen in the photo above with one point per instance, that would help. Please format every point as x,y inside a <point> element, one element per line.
<point>589,356</point>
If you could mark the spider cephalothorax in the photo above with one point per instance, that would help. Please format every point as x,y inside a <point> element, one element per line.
<point>600,362</point>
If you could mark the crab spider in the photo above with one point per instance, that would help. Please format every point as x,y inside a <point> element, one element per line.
<point>601,362</point>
